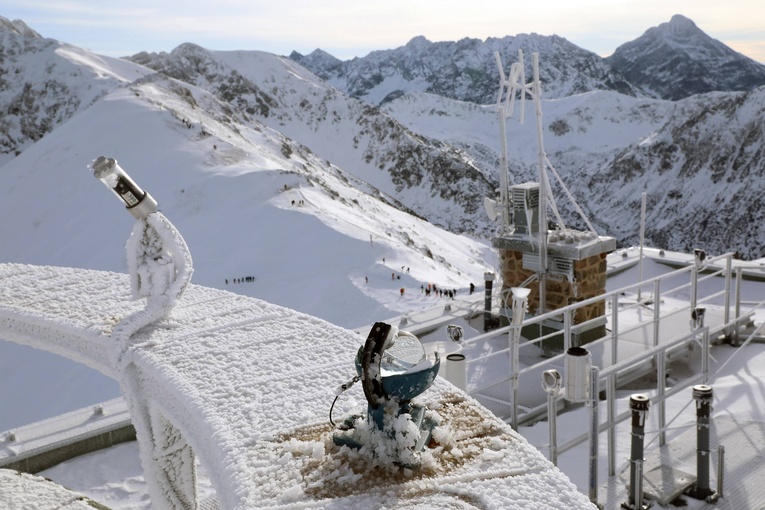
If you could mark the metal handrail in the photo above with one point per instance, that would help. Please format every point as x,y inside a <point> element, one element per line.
<point>613,337</point>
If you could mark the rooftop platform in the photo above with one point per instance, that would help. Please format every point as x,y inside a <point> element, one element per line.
<point>249,384</point>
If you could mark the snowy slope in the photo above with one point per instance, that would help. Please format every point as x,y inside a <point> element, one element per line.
<point>430,178</point>
<point>44,82</point>
<point>230,191</point>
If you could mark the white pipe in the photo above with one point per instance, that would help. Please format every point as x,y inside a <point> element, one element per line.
<point>503,167</point>
<point>642,241</point>
<point>543,185</point>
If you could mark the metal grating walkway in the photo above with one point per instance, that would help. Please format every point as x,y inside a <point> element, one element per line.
<point>744,472</point>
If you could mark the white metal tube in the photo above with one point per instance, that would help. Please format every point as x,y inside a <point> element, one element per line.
<point>542,189</point>
<point>503,166</point>
<point>661,384</point>
<point>642,241</point>
<point>611,424</point>
<point>736,332</point>
<point>728,276</point>
<point>594,390</point>
<point>656,312</point>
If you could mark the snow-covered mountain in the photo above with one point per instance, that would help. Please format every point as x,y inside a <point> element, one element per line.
<point>437,157</point>
<point>430,179</point>
<point>465,69</point>
<point>702,171</point>
<point>44,82</point>
<point>677,59</point>
<point>672,61</point>
<point>700,160</point>
<point>245,198</point>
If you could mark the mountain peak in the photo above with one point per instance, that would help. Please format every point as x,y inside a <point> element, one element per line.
<point>680,27</point>
<point>418,42</point>
<point>677,59</point>
<point>17,27</point>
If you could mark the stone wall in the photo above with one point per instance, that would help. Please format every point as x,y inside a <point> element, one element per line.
<point>589,280</point>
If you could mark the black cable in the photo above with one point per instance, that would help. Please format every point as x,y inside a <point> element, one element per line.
<point>330,411</point>
<point>339,391</point>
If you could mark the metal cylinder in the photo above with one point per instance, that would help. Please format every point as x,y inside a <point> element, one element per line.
<point>639,406</point>
<point>137,201</point>
<point>551,382</point>
<point>703,396</point>
<point>576,365</point>
<point>456,371</point>
<point>489,281</point>
<point>720,470</point>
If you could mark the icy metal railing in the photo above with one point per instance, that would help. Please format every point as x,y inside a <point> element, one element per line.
<point>532,398</point>
<point>658,356</point>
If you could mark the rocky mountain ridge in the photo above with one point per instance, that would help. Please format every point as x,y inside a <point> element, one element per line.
<point>672,61</point>
<point>677,59</point>
<point>465,69</point>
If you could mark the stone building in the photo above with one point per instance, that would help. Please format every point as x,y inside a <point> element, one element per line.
<point>575,268</point>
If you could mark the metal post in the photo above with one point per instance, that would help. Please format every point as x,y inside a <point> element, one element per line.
<point>593,433</point>
<point>552,382</point>
<point>639,405</point>
<point>567,331</point>
<point>642,241</point>
<point>656,312</point>
<point>611,424</point>
<point>488,279</point>
<point>614,328</point>
<point>543,187</point>
<point>720,470</point>
<point>661,384</point>
<point>705,353</point>
<point>694,286</point>
<point>703,396</point>
<point>736,332</point>
<point>728,274</point>
<point>520,305</point>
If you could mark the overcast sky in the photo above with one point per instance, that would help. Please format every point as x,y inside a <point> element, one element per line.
<point>348,29</point>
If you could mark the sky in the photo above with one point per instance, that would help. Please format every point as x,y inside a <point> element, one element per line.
<point>348,29</point>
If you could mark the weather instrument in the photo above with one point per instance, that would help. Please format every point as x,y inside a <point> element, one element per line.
<point>137,201</point>
<point>393,368</point>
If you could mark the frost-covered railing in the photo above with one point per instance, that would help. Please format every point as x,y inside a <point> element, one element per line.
<point>652,318</point>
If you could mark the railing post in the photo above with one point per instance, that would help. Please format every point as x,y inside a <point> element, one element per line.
<point>611,424</point>
<point>567,331</point>
<point>705,353</point>
<point>726,311</point>
<point>594,425</point>
<point>520,306</point>
<point>661,384</point>
<point>656,311</point>
<point>736,340</point>
<point>694,286</point>
<point>614,329</point>
<point>551,382</point>
<point>720,470</point>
